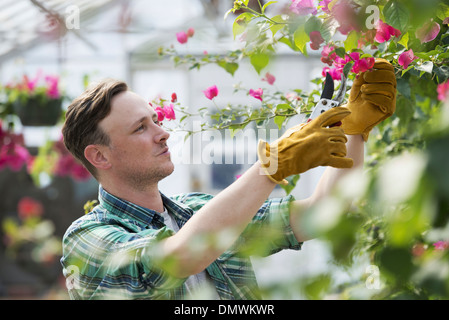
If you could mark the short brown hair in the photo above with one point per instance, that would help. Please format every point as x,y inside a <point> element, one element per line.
<point>83,115</point>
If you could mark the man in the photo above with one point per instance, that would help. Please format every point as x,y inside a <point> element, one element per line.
<point>140,244</point>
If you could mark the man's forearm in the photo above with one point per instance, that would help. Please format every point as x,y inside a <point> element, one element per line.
<point>330,177</point>
<point>231,210</point>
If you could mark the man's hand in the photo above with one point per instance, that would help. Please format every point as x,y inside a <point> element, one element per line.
<point>372,99</point>
<point>306,146</point>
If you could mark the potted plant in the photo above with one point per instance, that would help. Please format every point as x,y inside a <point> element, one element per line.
<point>36,101</point>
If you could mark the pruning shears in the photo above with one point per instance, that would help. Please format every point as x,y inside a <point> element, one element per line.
<point>326,101</point>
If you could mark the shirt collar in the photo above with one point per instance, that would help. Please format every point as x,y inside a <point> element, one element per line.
<point>130,211</point>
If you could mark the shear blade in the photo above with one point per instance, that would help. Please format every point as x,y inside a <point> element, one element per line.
<point>328,90</point>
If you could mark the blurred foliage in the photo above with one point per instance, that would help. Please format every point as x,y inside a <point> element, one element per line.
<point>401,209</point>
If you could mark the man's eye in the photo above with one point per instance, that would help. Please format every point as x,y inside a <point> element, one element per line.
<point>140,128</point>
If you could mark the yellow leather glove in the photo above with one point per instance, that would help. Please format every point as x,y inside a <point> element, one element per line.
<point>372,99</point>
<point>306,146</point>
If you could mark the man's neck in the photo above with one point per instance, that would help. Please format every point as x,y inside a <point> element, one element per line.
<point>149,198</point>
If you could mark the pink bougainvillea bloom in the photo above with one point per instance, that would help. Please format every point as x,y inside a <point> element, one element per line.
<point>160,113</point>
<point>190,32</point>
<point>406,58</point>
<point>327,56</point>
<point>29,207</point>
<point>174,97</point>
<point>14,156</point>
<point>384,32</point>
<point>443,91</point>
<point>303,7</point>
<point>345,13</point>
<point>258,93</point>
<point>441,245</point>
<point>169,112</point>
<point>361,65</point>
<point>428,31</point>
<point>269,78</point>
<point>325,5</point>
<point>335,73</point>
<point>317,40</point>
<point>182,37</point>
<point>211,92</point>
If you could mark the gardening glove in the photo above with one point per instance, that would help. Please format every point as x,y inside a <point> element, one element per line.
<point>306,146</point>
<point>372,99</point>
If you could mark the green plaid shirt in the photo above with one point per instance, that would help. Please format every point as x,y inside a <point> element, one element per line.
<point>106,252</point>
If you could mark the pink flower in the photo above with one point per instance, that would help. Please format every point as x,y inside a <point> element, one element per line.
<point>269,78</point>
<point>361,65</point>
<point>169,112</point>
<point>68,166</point>
<point>443,91</point>
<point>28,208</point>
<point>345,13</point>
<point>428,31</point>
<point>325,5</point>
<point>160,113</point>
<point>174,97</point>
<point>303,7</point>
<point>326,57</point>
<point>13,155</point>
<point>190,32</point>
<point>256,93</point>
<point>317,40</point>
<point>32,84</point>
<point>211,92</point>
<point>334,73</point>
<point>406,58</point>
<point>441,245</point>
<point>52,89</point>
<point>384,32</point>
<point>182,37</point>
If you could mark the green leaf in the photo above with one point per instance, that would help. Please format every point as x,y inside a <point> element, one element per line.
<point>351,41</point>
<point>283,107</point>
<point>259,61</point>
<point>341,52</point>
<point>230,67</point>
<point>313,24</point>
<point>292,181</point>
<point>301,38</point>
<point>279,120</point>
<point>425,67</point>
<point>267,4</point>
<point>328,29</point>
<point>397,15</point>
<point>240,23</point>
<point>397,262</point>
<point>404,40</point>
<point>280,23</point>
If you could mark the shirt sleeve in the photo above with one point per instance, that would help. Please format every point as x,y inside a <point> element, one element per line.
<point>107,261</point>
<point>269,231</point>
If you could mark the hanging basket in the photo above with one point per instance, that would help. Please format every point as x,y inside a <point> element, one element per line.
<point>35,112</point>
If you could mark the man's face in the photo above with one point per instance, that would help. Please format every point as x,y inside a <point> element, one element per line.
<point>138,150</point>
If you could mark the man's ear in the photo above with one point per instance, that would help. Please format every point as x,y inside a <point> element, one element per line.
<point>97,157</point>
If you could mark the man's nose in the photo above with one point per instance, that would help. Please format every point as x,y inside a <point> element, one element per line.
<point>161,135</point>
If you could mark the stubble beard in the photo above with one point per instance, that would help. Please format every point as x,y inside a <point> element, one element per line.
<point>142,180</point>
